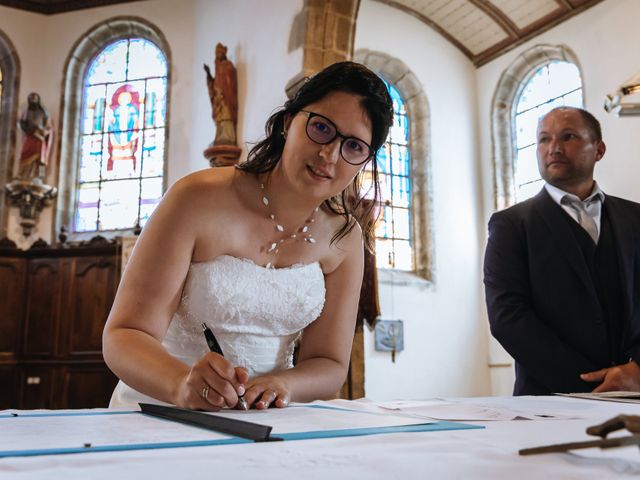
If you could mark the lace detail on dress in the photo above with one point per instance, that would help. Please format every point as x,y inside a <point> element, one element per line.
<point>257,314</point>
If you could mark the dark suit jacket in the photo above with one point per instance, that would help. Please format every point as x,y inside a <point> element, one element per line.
<point>542,303</point>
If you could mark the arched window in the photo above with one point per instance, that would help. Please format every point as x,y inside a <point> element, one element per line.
<point>9,77</point>
<point>116,91</point>
<point>539,79</point>
<point>393,230</point>
<point>404,240</point>
<point>552,85</point>
<point>121,164</point>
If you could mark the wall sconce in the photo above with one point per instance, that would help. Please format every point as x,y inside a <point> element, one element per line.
<point>613,102</point>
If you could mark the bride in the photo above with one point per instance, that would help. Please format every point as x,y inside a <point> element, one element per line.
<point>268,255</point>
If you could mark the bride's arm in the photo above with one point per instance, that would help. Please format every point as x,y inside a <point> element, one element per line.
<point>325,349</point>
<point>146,300</point>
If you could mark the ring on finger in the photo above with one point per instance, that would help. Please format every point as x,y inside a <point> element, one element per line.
<point>205,392</point>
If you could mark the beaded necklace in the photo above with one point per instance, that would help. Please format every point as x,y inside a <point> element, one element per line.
<point>302,233</point>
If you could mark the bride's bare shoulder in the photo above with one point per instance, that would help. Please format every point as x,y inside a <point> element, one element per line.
<point>204,186</point>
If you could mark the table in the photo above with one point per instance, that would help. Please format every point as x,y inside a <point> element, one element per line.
<point>490,453</point>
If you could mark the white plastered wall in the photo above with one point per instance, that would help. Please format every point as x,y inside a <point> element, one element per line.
<point>256,33</point>
<point>445,338</point>
<point>604,39</point>
<point>446,347</point>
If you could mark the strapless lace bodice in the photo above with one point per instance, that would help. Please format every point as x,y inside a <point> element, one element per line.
<point>257,314</point>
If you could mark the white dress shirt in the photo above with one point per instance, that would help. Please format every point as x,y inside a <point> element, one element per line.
<point>592,204</point>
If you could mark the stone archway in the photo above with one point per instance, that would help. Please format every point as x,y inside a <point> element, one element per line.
<point>510,85</point>
<point>10,67</point>
<point>326,32</point>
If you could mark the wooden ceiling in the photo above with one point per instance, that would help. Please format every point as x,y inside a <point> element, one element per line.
<point>49,7</point>
<point>481,29</point>
<point>485,29</point>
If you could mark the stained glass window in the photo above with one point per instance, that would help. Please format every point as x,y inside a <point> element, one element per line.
<point>552,85</point>
<point>393,229</point>
<point>121,167</point>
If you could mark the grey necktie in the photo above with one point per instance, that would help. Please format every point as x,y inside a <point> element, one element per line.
<point>585,220</point>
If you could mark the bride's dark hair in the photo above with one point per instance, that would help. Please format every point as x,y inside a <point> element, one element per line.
<point>348,77</point>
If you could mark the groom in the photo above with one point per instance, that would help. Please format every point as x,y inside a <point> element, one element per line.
<point>562,271</point>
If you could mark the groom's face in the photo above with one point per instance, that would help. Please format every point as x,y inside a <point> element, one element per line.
<point>566,150</point>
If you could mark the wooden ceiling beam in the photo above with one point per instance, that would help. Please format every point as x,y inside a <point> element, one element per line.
<point>533,30</point>
<point>566,4</point>
<point>499,17</point>
<point>431,23</point>
<point>516,36</point>
<point>50,7</point>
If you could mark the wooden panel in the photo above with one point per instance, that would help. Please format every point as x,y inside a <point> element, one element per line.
<point>353,386</point>
<point>53,306</point>
<point>36,387</point>
<point>90,296</point>
<point>86,386</point>
<point>356,367</point>
<point>12,299</point>
<point>43,286</point>
<point>9,387</point>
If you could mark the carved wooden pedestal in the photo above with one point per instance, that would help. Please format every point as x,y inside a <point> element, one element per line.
<point>222,155</point>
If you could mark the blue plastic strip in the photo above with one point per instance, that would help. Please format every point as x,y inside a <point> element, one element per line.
<point>353,432</point>
<point>121,448</point>
<point>436,424</point>
<point>356,432</point>
<point>63,414</point>
<point>328,407</point>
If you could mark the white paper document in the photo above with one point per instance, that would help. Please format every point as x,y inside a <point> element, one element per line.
<point>94,430</point>
<point>533,407</point>
<point>300,418</point>
<point>451,411</point>
<point>616,396</point>
<point>473,409</point>
<point>90,429</point>
<point>432,409</point>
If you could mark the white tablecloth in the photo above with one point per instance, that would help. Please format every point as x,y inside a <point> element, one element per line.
<point>490,453</point>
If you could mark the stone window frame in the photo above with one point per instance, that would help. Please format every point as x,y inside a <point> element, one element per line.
<point>398,74</point>
<point>10,66</point>
<point>503,105</point>
<point>84,51</point>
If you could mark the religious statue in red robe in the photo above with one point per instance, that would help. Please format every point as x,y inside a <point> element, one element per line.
<point>223,93</point>
<point>36,125</point>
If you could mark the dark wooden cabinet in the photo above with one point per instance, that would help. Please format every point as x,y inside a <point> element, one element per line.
<point>90,293</point>
<point>81,385</point>
<point>12,285</point>
<point>54,302</point>
<point>9,385</point>
<point>35,387</point>
<point>41,296</point>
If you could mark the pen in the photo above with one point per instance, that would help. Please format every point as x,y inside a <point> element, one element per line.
<point>214,346</point>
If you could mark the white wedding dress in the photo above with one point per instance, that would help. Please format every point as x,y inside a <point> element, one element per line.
<point>257,315</point>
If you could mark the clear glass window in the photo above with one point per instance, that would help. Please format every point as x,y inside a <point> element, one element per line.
<point>552,85</point>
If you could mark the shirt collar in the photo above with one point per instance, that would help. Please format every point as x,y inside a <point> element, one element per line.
<point>557,194</point>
